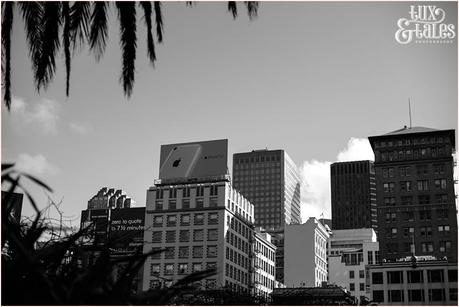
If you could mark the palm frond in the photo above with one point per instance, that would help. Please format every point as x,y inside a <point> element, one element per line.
<point>66,42</point>
<point>50,44</point>
<point>252,8</point>
<point>128,41</point>
<point>99,29</point>
<point>232,7</point>
<point>150,43</point>
<point>159,21</point>
<point>79,20</point>
<point>32,14</point>
<point>7,25</point>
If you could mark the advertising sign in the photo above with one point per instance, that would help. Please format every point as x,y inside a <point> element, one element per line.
<point>193,160</point>
<point>126,228</point>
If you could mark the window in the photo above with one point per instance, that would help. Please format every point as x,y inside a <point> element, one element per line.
<point>436,295</point>
<point>408,216</point>
<point>378,296</point>
<point>186,192</point>
<point>426,247</point>
<point>442,213</point>
<point>158,221</point>
<point>408,232</point>
<point>362,287</point>
<point>169,269</point>
<point>211,266</point>
<point>426,231</point>
<point>415,277</point>
<point>351,274</point>
<point>156,236</point>
<point>212,235</point>
<point>211,251</point>
<point>171,220</point>
<point>197,267</point>
<point>185,204</point>
<point>198,235</point>
<point>404,171</point>
<point>156,253</point>
<point>184,252</point>
<point>170,236</point>
<point>352,287</point>
<point>173,193</point>
<point>424,199</point>
<point>159,205</point>
<point>407,200</point>
<point>184,236</point>
<point>389,201</point>
<point>425,215</point>
<point>370,257</point>
<point>183,268</point>
<point>441,198</point>
<point>416,295</point>
<point>214,190</point>
<point>453,294</point>
<point>440,184</point>
<point>197,251</point>
<point>395,277</point>
<point>445,246</point>
<point>435,276</point>
<point>172,204</point>
<point>213,218</point>
<point>154,269</point>
<point>159,194</point>
<point>423,185</point>
<point>395,295</point>
<point>452,275</point>
<point>389,187</point>
<point>155,284</point>
<point>361,274</point>
<point>443,229</point>
<point>199,219</point>
<point>439,169</point>
<point>200,191</point>
<point>185,220</point>
<point>169,253</point>
<point>199,203</point>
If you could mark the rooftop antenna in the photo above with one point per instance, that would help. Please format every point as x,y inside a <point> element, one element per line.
<point>409,108</point>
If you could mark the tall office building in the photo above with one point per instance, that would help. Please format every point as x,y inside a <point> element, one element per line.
<point>353,195</point>
<point>415,193</point>
<point>269,179</point>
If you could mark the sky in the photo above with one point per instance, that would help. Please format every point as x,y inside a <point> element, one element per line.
<point>315,79</point>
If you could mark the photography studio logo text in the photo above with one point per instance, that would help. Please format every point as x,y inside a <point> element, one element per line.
<point>426,24</point>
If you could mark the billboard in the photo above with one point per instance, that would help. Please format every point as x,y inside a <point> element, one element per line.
<point>193,160</point>
<point>126,228</point>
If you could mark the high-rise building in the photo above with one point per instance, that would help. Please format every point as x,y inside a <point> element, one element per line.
<point>349,252</point>
<point>415,193</point>
<point>353,195</point>
<point>306,254</point>
<point>269,179</point>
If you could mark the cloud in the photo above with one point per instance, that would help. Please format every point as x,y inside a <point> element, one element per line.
<point>35,165</point>
<point>80,128</point>
<point>315,176</point>
<point>43,113</point>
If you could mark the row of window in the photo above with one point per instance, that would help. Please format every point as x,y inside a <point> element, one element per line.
<point>237,242</point>
<point>182,268</point>
<point>265,266</point>
<point>239,227</point>
<point>415,295</point>
<point>184,235</point>
<point>405,171</point>
<point>352,274</point>
<point>424,231</point>
<point>171,204</point>
<point>421,199</point>
<point>256,159</point>
<point>264,281</point>
<point>361,286</point>
<point>265,251</point>
<point>418,215</point>
<point>406,247</point>
<point>408,154</point>
<point>184,252</point>
<point>409,141</point>
<point>236,274</point>
<point>186,192</point>
<point>185,219</point>
<point>422,185</point>
<point>414,277</point>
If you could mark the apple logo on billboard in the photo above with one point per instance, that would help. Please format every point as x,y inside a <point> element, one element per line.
<point>176,163</point>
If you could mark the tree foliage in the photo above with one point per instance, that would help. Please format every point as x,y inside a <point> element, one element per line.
<point>54,27</point>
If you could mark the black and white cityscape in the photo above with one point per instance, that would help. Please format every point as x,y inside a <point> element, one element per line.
<point>229,153</point>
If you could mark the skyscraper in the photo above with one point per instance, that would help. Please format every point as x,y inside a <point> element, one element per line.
<point>415,193</point>
<point>269,179</point>
<point>353,195</point>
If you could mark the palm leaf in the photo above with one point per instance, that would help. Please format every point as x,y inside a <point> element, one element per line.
<point>159,21</point>
<point>7,25</point>
<point>79,20</point>
<point>252,8</point>
<point>50,44</point>
<point>150,43</point>
<point>232,8</point>
<point>128,38</point>
<point>66,42</point>
<point>99,29</point>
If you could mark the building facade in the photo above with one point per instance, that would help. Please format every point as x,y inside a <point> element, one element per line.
<point>109,198</point>
<point>415,193</point>
<point>201,226</point>
<point>423,282</point>
<point>264,263</point>
<point>353,195</point>
<point>349,251</point>
<point>306,254</point>
<point>269,179</point>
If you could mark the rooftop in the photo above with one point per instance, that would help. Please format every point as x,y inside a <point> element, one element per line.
<point>406,130</point>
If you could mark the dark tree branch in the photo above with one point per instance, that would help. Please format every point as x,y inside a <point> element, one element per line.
<point>66,42</point>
